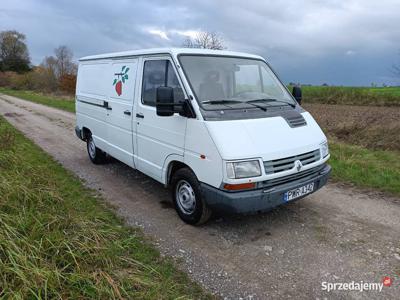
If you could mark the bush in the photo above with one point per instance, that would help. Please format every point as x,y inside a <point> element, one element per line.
<point>39,79</point>
<point>22,81</point>
<point>5,78</point>
<point>68,83</point>
<point>45,80</point>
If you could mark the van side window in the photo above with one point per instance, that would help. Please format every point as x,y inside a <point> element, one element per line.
<point>158,73</point>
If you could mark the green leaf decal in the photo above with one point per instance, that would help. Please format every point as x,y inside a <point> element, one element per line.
<point>126,76</point>
<point>126,71</point>
<point>123,68</point>
<point>115,81</point>
<point>123,79</point>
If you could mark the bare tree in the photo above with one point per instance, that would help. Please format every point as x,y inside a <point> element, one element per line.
<point>48,75</point>
<point>61,64</point>
<point>65,66</point>
<point>59,71</point>
<point>50,64</point>
<point>205,40</point>
<point>188,43</point>
<point>14,55</point>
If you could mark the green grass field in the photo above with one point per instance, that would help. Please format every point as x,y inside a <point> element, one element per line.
<point>57,102</point>
<point>393,91</point>
<point>58,240</point>
<point>366,168</point>
<point>389,96</point>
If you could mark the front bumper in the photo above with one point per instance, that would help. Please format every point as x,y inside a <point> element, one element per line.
<point>262,199</point>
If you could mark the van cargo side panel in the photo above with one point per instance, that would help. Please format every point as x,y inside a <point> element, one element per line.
<point>90,98</point>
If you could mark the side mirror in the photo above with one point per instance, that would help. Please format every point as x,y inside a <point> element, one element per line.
<point>296,92</point>
<point>165,101</point>
<point>166,105</point>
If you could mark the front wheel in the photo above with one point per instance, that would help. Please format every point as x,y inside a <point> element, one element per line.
<point>187,198</point>
<point>95,154</point>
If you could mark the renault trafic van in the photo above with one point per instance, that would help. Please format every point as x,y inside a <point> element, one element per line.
<point>216,127</point>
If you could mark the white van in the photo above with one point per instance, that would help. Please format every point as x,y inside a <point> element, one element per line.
<point>217,127</point>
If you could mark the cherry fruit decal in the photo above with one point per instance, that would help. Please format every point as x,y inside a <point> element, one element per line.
<point>121,77</point>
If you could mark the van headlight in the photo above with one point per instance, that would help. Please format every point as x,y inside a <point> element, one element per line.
<point>324,149</point>
<point>243,169</point>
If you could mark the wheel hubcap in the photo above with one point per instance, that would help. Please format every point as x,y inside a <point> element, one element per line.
<point>92,148</point>
<point>185,197</point>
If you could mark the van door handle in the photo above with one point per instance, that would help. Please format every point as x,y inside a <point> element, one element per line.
<point>139,116</point>
<point>127,112</point>
<point>105,105</point>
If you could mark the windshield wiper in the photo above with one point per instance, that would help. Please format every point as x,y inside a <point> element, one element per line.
<point>270,100</point>
<point>223,101</point>
<point>256,105</point>
<point>220,101</point>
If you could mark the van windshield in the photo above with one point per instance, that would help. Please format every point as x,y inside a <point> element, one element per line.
<point>233,83</point>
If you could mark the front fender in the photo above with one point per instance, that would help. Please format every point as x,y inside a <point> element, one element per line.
<point>170,158</point>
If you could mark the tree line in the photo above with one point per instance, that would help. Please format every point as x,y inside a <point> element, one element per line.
<point>56,73</point>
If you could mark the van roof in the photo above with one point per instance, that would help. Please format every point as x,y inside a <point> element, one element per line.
<point>171,51</point>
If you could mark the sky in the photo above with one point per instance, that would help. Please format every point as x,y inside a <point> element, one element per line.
<point>349,42</point>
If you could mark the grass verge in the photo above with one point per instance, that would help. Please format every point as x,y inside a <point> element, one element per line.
<point>56,102</point>
<point>57,240</point>
<point>367,168</point>
<point>389,96</point>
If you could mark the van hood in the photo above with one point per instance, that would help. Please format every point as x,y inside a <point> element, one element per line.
<point>267,138</point>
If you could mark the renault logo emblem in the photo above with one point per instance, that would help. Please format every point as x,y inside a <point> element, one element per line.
<point>298,165</point>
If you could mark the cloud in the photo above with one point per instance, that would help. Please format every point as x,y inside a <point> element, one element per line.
<point>343,42</point>
<point>350,52</point>
<point>186,33</point>
<point>160,33</point>
<point>175,33</point>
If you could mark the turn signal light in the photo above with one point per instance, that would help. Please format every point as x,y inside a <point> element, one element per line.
<point>241,186</point>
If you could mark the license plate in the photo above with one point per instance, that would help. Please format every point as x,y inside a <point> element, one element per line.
<point>298,192</point>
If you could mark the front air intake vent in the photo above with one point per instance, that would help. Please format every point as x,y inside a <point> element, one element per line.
<point>296,120</point>
<point>292,177</point>
<point>287,163</point>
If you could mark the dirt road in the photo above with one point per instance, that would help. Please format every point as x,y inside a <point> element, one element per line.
<point>338,234</point>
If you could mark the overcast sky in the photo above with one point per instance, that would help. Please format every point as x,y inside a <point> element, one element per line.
<point>353,42</point>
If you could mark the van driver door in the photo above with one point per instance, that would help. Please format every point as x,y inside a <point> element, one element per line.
<point>158,137</point>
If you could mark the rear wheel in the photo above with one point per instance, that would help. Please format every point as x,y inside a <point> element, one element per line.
<point>95,154</point>
<point>187,198</point>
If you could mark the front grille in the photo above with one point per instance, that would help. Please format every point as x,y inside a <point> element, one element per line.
<point>296,120</point>
<point>293,177</point>
<point>284,164</point>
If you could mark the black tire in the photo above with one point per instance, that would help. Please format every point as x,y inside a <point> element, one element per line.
<point>96,155</point>
<point>184,185</point>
